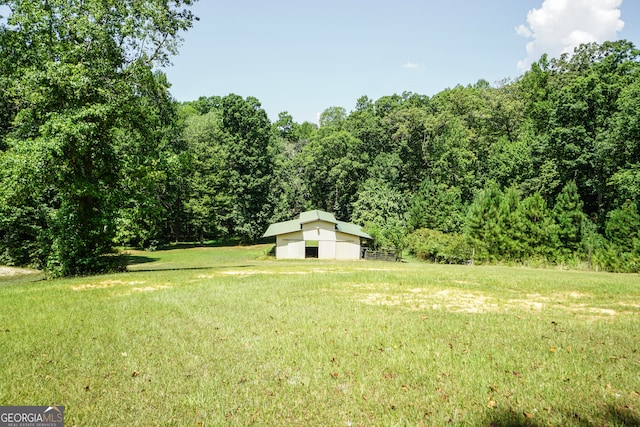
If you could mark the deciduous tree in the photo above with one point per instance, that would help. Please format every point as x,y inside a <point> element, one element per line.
<point>78,86</point>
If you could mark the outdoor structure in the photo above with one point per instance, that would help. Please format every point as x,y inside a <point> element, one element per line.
<point>317,234</point>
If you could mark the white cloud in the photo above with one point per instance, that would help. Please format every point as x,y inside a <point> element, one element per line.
<point>411,65</point>
<point>559,26</point>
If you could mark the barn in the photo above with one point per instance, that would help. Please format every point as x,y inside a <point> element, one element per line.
<point>317,234</point>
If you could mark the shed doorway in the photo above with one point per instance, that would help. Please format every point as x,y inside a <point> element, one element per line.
<point>311,249</point>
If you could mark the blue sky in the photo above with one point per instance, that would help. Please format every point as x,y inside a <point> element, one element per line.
<point>303,57</point>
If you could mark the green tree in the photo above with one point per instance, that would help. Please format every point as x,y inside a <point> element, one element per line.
<point>152,163</point>
<point>510,162</point>
<point>435,246</point>
<point>333,117</point>
<point>289,187</point>
<point>249,151</point>
<point>334,167</point>
<point>457,144</point>
<point>537,231</point>
<point>407,127</point>
<point>623,227</point>
<point>626,152</point>
<point>621,251</point>
<point>437,207</point>
<point>482,223</point>
<point>209,198</point>
<point>511,241</point>
<point>570,218</point>
<point>78,85</point>
<point>382,210</point>
<point>368,128</point>
<point>579,132</point>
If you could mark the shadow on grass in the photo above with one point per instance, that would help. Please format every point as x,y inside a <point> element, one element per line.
<point>25,278</point>
<point>205,244</point>
<point>623,416</point>
<point>614,416</point>
<point>137,260</point>
<point>509,418</point>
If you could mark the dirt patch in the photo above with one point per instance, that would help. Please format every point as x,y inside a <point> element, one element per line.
<point>246,273</point>
<point>455,300</point>
<point>447,299</point>
<point>105,284</point>
<point>150,288</point>
<point>13,272</point>
<point>559,297</point>
<point>629,304</point>
<point>466,282</point>
<point>378,269</point>
<point>240,273</point>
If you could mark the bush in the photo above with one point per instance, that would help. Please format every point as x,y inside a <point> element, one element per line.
<point>615,259</point>
<point>432,245</point>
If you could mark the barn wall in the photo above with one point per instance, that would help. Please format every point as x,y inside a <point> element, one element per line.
<point>290,246</point>
<point>319,230</point>
<point>325,234</point>
<point>332,244</point>
<point>327,249</point>
<point>347,246</point>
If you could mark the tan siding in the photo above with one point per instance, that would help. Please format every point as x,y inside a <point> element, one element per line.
<point>319,230</point>
<point>332,244</point>
<point>347,246</point>
<point>290,246</point>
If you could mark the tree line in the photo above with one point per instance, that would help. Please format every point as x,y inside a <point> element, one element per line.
<point>95,154</point>
<point>544,168</point>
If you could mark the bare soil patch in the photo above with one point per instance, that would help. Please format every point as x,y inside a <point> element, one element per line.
<point>105,284</point>
<point>13,272</point>
<point>455,300</point>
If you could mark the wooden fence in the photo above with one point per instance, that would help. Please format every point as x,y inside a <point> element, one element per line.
<point>380,255</point>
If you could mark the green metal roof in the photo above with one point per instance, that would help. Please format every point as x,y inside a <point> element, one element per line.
<point>349,228</point>
<point>282,228</point>
<point>311,216</point>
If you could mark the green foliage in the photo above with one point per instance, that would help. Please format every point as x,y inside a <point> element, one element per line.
<point>587,98</point>
<point>208,204</point>
<point>249,158</point>
<point>333,169</point>
<point>94,151</point>
<point>536,229</point>
<point>569,217</point>
<point>501,225</point>
<point>621,251</point>
<point>438,247</point>
<point>438,207</point>
<point>510,162</point>
<point>152,163</point>
<point>381,209</point>
<point>623,228</point>
<point>85,110</point>
<point>407,127</point>
<point>24,235</point>
<point>482,225</point>
<point>612,258</point>
<point>333,117</point>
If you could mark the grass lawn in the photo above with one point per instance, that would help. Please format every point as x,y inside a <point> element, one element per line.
<point>227,336</point>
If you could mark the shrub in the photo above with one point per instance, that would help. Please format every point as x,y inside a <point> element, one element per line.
<point>432,245</point>
<point>615,259</point>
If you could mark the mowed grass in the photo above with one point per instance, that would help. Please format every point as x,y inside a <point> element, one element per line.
<point>227,336</point>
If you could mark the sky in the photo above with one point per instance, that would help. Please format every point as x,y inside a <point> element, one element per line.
<point>303,57</point>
